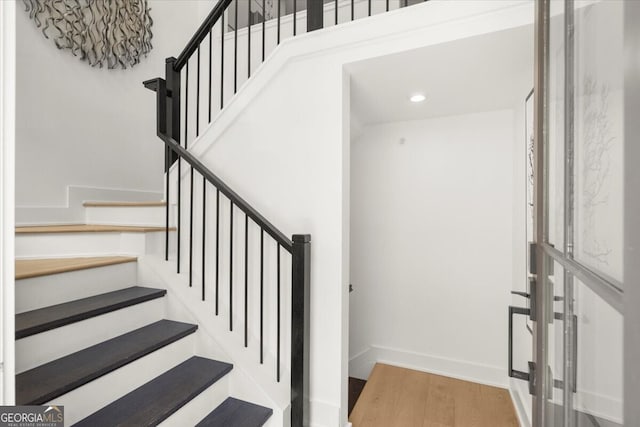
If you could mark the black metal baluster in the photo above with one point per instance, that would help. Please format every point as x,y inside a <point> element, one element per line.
<point>222,63</point>
<point>217,246</point>
<point>261,295</point>
<point>186,106</point>
<point>387,5</point>
<point>210,56</point>
<point>186,127</point>
<point>167,161</point>
<point>278,42</point>
<point>249,41</point>
<point>231,266</point>
<point>278,318</point>
<point>246,279</point>
<point>352,10</point>
<point>264,19</point>
<point>191,229</point>
<point>198,95</point>
<point>369,8</point>
<point>336,11</point>
<point>295,10</point>
<point>204,231</point>
<point>235,50</point>
<point>179,215</point>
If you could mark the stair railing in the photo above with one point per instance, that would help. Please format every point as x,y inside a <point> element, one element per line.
<point>298,247</point>
<point>177,127</point>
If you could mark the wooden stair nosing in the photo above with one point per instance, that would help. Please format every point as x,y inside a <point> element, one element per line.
<point>236,413</point>
<point>157,400</point>
<point>124,204</point>
<point>88,228</point>
<point>46,382</point>
<point>28,268</point>
<point>47,318</point>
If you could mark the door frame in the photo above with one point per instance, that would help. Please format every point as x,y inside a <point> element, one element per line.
<point>632,212</point>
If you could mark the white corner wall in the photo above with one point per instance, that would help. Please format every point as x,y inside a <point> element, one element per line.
<point>7,169</point>
<point>83,126</point>
<point>431,243</point>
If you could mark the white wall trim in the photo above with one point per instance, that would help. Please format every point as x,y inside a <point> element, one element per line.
<point>519,405</point>
<point>7,196</point>
<point>323,414</point>
<point>360,366</point>
<point>72,212</point>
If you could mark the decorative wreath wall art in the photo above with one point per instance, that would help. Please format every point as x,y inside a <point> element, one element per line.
<point>111,33</point>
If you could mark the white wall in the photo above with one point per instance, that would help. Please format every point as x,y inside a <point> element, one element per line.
<point>282,143</point>
<point>431,242</point>
<point>78,125</point>
<point>7,161</point>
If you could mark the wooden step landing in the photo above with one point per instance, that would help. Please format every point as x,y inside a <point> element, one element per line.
<point>398,397</point>
<point>87,228</point>
<point>124,204</point>
<point>27,268</point>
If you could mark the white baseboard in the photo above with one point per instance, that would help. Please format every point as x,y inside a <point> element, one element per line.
<point>360,366</point>
<point>515,390</point>
<point>323,414</point>
<point>609,408</point>
<point>72,212</point>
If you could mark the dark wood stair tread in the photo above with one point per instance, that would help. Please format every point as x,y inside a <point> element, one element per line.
<point>53,379</point>
<point>158,399</point>
<point>236,413</point>
<point>47,318</point>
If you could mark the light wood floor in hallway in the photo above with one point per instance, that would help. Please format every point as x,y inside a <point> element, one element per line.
<point>398,397</point>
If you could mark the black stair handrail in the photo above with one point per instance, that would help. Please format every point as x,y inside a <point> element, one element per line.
<point>238,201</point>
<point>202,32</point>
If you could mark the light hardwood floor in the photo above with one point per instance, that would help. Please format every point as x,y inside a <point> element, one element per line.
<point>398,397</point>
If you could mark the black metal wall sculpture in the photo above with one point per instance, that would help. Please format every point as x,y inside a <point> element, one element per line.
<point>111,33</point>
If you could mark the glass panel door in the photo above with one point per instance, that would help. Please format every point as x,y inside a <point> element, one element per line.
<point>579,142</point>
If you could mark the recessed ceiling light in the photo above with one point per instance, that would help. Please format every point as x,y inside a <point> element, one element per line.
<point>417,97</point>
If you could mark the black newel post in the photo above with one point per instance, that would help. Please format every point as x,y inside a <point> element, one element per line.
<point>315,15</point>
<point>300,327</point>
<point>173,108</point>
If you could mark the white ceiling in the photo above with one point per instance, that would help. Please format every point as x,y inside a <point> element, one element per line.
<point>481,73</point>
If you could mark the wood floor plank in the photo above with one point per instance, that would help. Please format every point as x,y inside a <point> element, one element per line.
<point>399,397</point>
<point>86,228</point>
<point>27,268</point>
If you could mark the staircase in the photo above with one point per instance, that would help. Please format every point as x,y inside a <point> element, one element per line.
<point>92,338</point>
<point>93,334</point>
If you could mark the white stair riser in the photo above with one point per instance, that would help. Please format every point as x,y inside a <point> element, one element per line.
<point>100,392</point>
<point>201,405</point>
<point>43,291</point>
<point>126,215</point>
<point>44,347</point>
<point>62,245</point>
